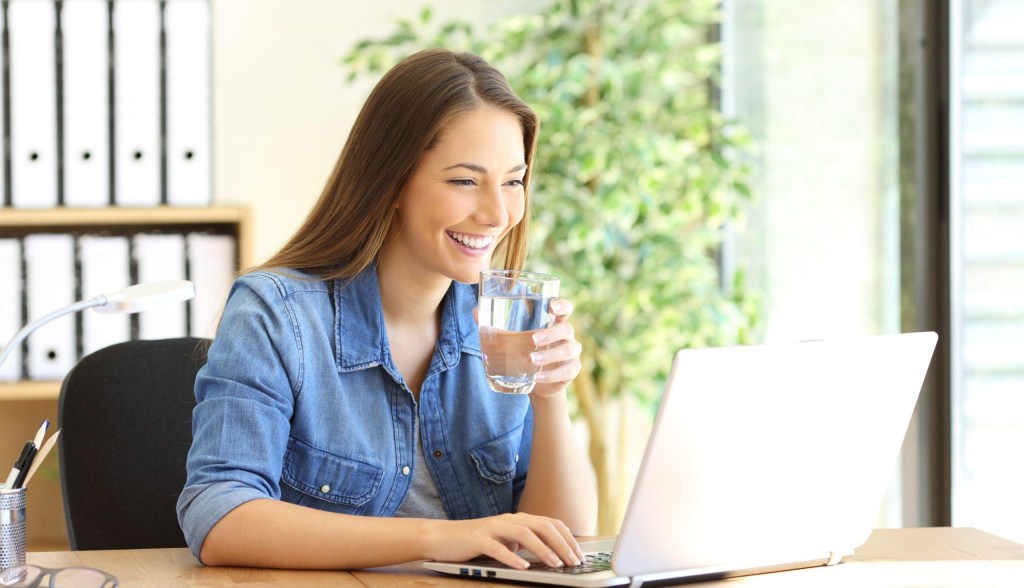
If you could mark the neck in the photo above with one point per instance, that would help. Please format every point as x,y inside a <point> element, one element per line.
<point>410,297</point>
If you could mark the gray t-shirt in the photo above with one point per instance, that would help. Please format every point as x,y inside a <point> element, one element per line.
<point>423,500</point>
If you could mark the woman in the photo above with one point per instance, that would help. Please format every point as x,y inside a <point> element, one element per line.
<point>343,419</point>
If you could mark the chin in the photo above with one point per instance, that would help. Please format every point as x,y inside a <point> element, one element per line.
<point>469,275</point>
<point>467,278</point>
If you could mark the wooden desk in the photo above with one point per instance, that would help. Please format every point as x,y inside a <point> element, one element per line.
<point>931,558</point>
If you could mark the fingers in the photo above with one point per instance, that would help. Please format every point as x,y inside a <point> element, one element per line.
<point>555,354</point>
<point>562,330</point>
<point>506,555</point>
<point>558,352</point>
<point>549,540</point>
<point>558,360</point>
<point>561,309</point>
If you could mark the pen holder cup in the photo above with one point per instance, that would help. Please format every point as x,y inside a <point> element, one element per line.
<point>12,536</point>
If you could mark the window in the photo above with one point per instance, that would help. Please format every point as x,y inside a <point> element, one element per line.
<point>987,264</point>
<point>816,85</point>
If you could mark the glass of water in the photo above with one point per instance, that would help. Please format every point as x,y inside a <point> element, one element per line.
<point>513,304</point>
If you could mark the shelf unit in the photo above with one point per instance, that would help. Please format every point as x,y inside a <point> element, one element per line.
<point>229,219</point>
<point>23,404</point>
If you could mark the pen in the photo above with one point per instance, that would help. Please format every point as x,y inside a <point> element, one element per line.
<point>26,463</point>
<point>16,470</point>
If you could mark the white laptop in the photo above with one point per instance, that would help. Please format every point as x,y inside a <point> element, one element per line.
<point>762,458</point>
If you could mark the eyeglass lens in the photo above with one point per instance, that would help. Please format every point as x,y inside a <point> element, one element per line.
<point>74,577</point>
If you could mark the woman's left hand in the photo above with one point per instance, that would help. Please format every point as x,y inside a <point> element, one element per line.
<point>557,354</point>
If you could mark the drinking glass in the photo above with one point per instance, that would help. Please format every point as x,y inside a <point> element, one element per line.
<point>513,304</point>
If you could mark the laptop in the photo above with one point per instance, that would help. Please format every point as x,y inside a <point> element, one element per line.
<point>761,458</point>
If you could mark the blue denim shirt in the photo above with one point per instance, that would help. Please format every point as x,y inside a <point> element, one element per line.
<point>301,401</point>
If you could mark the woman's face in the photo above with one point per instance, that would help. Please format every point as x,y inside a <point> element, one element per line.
<point>464,196</point>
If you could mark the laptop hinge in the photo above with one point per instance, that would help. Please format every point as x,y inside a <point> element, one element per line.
<point>636,582</point>
<point>834,557</point>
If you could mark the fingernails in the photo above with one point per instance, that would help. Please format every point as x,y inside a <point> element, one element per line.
<point>556,306</point>
<point>539,338</point>
<point>553,560</point>
<point>536,357</point>
<point>523,563</point>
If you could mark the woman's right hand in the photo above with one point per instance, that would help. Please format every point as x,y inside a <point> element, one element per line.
<point>499,537</point>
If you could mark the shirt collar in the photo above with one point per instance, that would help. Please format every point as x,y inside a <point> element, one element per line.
<point>360,334</point>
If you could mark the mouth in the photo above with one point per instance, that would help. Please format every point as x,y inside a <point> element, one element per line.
<point>474,242</point>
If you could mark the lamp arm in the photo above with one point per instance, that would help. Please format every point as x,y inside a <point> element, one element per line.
<point>27,329</point>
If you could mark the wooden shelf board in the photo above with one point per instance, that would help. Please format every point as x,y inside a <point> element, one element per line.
<point>113,215</point>
<point>29,390</point>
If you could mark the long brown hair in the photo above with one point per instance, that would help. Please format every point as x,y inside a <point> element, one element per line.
<point>403,117</point>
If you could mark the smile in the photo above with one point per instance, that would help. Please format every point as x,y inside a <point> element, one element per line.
<point>471,241</point>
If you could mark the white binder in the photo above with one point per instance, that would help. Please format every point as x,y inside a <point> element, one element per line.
<point>137,102</point>
<point>106,266</point>
<point>10,305</point>
<point>161,257</point>
<point>86,103</point>
<point>31,25</point>
<point>3,133</point>
<point>50,286</point>
<point>212,267</point>
<point>187,30</point>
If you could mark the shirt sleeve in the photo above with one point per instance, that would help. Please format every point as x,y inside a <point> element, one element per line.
<point>244,402</point>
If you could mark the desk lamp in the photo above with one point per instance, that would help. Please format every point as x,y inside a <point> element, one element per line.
<point>135,298</point>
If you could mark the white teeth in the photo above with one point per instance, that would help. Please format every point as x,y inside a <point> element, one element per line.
<point>474,242</point>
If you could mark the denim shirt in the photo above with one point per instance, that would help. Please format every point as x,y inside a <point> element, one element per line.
<point>301,401</point>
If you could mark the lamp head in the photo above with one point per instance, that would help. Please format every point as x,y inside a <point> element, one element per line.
<point>142,297</point>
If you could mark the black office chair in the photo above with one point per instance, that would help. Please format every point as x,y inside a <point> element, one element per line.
<point>125,415</point>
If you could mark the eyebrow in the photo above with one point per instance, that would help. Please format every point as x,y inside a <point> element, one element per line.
<point>481,169</point>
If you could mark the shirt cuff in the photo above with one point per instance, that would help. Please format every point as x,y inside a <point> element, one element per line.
<point>202,506</point>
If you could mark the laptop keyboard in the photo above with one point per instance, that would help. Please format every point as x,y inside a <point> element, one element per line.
<point>592,562</point>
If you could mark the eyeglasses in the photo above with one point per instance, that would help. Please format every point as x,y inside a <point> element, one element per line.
<point>73,577</point>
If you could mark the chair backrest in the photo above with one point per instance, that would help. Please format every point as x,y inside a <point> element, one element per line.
<point>125,414</point>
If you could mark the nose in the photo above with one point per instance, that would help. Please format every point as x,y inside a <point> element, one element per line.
<point>492,210</point>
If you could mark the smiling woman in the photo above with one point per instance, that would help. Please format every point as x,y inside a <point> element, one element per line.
<point>344,402</point>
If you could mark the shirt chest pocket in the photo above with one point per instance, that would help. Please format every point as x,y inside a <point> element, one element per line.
<point>331,478</point>
<point>495,462</point>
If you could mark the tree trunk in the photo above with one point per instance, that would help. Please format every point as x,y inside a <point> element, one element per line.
<point>607,423</point>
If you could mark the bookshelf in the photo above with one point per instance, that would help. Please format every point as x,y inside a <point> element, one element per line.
<point>24,404</point>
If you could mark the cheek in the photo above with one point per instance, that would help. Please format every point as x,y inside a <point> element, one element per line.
<point>516,208</point>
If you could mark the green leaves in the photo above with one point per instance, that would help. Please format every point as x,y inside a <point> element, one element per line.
<point>636,171</point>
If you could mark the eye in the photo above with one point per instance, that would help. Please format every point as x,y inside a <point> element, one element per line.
<point>514,183</point>
<point>462,182</point>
